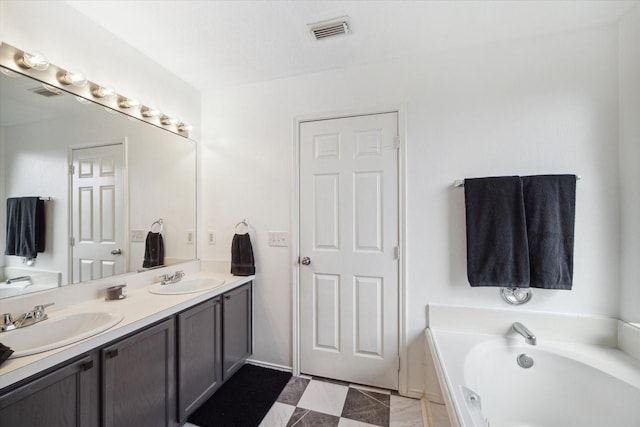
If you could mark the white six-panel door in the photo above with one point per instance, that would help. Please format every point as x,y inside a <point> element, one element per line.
<point>98,236</point>
<point>348,249</point>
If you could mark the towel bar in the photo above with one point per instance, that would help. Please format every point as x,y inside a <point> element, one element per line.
<point>460,182</point>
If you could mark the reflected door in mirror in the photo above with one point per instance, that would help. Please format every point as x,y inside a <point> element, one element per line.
<point>97,182</point>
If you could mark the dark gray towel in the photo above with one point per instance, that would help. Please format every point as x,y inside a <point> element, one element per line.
<point>5,353</point>
<point>242,262</point>
<point>153,250</point>
<point>549,202</point>
<point>497,252</point>
<point>25,227</point>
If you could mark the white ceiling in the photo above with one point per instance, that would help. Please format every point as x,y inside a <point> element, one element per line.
<point>217,43</point>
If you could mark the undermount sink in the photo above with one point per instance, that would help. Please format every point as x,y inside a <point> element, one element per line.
<point>57,332</point>
<point>186,286</point>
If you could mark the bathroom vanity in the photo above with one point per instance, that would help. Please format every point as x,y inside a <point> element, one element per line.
<point>149,370</point>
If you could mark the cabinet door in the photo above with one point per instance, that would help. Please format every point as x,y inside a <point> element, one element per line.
<point>237,329</point>
<point>138,379</point>
<point>200,350</point>
<point>66,397</point>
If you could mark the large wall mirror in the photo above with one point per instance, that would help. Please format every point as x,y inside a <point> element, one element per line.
<point>107,181</point>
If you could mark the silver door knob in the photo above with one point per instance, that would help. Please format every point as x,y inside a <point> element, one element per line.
<point>305,261</point>
<point>116,252</point>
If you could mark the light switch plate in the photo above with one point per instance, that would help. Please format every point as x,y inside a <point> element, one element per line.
<point>137,236</point>
<point>278,238</point>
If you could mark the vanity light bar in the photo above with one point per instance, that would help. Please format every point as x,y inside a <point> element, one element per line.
<point>36,66</point>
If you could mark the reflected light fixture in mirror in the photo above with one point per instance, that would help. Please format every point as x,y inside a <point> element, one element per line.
<point>35,65</point>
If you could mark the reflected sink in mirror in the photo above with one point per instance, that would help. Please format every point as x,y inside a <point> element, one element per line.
<point>57,332</point>
<point>187,286</point>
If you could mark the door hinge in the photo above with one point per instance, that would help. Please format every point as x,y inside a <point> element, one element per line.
<point>72,169</point>
<point>396,252</point>
<point>398,359</point>
<point>72,241</point>
<point>396,142</point>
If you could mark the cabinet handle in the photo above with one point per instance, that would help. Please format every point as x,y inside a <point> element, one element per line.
<point>216,301</point>
<point>227,297</point>
<point>112,353</point>
<point>88,365</point>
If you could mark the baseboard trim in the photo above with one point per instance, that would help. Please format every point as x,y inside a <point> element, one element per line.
<point>415,393</point>
<point>270,365</point>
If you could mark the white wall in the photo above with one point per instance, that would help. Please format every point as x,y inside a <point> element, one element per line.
<point>69,40</point>
<point>529,106</point>
<point>629,110</point>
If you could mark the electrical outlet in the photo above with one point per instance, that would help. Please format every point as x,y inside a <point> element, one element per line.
<point>137,236</point>
<point>190,237</point>
<point>278,238</point>
<point>211,237</point>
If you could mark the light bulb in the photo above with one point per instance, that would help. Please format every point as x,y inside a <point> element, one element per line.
<point>34,60</point>
<point>75,79</point>
<point>102,91</point>
<point>168,121</point>
<point>128,103</point>
<point>149,112</point>
<point>184,127</point>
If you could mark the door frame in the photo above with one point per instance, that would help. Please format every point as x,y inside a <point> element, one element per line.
<point>295,236</point>
<point>124,141</point>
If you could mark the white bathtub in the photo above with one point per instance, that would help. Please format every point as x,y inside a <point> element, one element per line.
<point>570,383</point>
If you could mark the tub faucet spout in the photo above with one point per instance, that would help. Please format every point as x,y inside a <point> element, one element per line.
<point>529,337</point>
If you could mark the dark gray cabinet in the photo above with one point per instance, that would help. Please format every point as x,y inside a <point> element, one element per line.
<point>138,379</point>
<point>67,396</point>
<point>236,329</point>
<point>200,355</point>
<point>214,340</point>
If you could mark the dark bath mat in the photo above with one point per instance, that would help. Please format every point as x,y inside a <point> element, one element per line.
<point>243,400</point>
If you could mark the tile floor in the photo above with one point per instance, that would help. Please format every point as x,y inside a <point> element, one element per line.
<point>318,402</point>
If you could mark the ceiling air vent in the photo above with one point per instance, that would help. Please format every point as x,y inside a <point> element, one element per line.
<point>332,28</point>
<point>46,90</point>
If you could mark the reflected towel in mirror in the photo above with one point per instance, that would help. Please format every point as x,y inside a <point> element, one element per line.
<point>153,250</point>
<point>25,227</point>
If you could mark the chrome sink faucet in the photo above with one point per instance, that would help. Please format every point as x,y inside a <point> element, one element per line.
<point>167,279</point>
<point>29,318</point>
<point>529,337</point>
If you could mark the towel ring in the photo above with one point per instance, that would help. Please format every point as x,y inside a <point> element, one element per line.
<point>246,226</point>
<point>159,223</point>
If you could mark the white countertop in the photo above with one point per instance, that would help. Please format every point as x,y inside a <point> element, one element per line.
<point>140,308</point>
